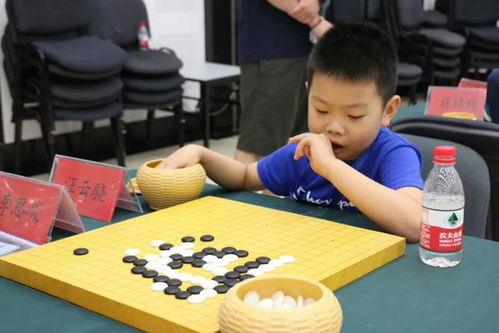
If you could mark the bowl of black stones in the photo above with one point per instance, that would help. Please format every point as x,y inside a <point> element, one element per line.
<point>280,304</point>
<point>162,188</point>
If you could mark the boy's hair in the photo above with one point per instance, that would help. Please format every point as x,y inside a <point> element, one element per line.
<point>356,52</point>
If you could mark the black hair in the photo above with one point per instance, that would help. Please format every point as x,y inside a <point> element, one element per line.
<point>356,52</point>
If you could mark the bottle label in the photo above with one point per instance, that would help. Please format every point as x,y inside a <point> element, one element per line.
<point>442,230</point>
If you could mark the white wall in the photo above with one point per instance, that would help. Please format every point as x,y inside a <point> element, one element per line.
<point>176,24</point>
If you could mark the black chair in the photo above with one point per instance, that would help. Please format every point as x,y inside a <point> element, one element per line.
<point>446,46</point>
<point>474,174</point>
<point>151,77</point>
<point>477,21</point>
<point>483,137</point>
<point>57,73</point>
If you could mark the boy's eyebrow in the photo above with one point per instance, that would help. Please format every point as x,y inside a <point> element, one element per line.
<point>348,106</point>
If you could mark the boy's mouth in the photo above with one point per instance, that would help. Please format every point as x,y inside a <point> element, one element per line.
<point>336,147</point>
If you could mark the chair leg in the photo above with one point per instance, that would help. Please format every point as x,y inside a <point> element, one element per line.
<point>149,123</point>
<point>119,139</point>
<point>86,133</point>
<point>412,94</point>
<point>18,144</point>
<point>180,117</point>
<point>49,139</point>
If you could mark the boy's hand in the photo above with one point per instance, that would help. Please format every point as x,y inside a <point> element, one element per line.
<point>318,149</point>
<point>182,158</point>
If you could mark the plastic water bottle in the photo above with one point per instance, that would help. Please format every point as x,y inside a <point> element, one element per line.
<point>441,242</point>
<point>143,36</point>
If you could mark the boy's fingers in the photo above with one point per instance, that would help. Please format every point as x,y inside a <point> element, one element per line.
<point>298,137</point>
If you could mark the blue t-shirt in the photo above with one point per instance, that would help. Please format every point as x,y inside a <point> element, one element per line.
<point>390,160</point>
<point>266,32</point>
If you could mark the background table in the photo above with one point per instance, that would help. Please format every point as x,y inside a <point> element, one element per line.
<point>402,296</point>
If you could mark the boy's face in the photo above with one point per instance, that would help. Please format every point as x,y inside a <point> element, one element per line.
<point>349,113</point>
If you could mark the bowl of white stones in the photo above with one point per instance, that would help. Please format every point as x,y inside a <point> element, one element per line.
<point>280,304</point>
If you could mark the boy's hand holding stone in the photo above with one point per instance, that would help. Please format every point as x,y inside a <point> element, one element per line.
<point>182,158</point>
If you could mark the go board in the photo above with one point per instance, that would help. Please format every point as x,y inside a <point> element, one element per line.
<point>329,252</point>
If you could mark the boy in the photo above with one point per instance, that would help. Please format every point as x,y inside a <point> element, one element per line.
<point>349,160</point>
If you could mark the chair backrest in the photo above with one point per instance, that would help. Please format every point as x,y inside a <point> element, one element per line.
<point>47,17</point>
<point>346,10</point>
<point>117,20</point>
<point>480,136</point>
<point>474,12</point>
<point>410,13</point>
<point>474,174</point>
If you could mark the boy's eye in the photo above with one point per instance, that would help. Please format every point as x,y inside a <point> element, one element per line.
<point>355,117</point>
<point>321,111</point>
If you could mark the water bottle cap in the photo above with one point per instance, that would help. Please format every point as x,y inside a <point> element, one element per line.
<point>142,24</point>
<point>444,154</point>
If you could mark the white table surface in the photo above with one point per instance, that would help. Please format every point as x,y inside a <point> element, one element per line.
<point>209,71</point>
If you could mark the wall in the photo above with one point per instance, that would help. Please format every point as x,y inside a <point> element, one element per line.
<point>178,25</point>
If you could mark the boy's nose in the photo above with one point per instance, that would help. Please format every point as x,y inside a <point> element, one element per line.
<point>335,127</point>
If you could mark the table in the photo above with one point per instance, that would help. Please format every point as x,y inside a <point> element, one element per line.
<point>209,75</point>
<point>402,296</point>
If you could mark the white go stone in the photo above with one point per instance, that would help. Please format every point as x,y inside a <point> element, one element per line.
<point>151,257</point>
<point>187,253</point>
<point>289,302</point>
<point>164,270</point>
<point>277,299</point>
<point>252,297</point>
<point>158,286</point>
<point>184,277</point>
<point>196,279</point>
<point>220,271</point>
<point>176,249</point>
<point>266,268</point>
<point>132,252</point>
<point>209,285</point>
<point>287,258</point>
<point>164,261</point>
<point>265,303</point>
<point>210,258</point>
<point>255,272</point>
<point>165,253</point>
<point>308,301</point>
<point>156,242</point>
<point>152,265</point>
<point>230,257</point>
<point>208,293</point>
<point>187,245</point>
<point>220,263</point>
<point>209,267</point>
<point>299,301</point>
<point>276,263</point>
<point>195,299</point>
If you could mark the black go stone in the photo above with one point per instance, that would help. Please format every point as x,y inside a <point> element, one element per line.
<point>80,251</point>
<point>149,274</point>
<point>241,269</point>
<point>232,275</point>
<point>231,282</point>
<point>165,246</point>
<point>246,277</point>
<point>263,260</point>
<point>188,259</point>
<point>174,282</point>
<point>129,259</point>
<point>195,289</point>
<point>252,264</point>
<point>138,269</point>
<point>199,255</point>
<point>207,238</point>
<point>176,256</point>
<point>198,263</point>
<point>229,250</point>
<point>219,278</point>
<point>241,253</point>
<point>219,254</point>
<point>209,250</point>
<point>188,239</point>
<point>171,290</point>
<point>182,294</point>
<point>161,278</point>
<point>140,262</point>
<point>175,264</point>
<point>221,289</point>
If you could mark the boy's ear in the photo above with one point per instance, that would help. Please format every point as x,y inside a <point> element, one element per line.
<point>391,109</point>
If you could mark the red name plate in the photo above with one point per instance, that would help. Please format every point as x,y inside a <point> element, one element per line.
<point>467,83</point>
<point>28,207</point>
<point>456,102</point>
<point>94,187</point>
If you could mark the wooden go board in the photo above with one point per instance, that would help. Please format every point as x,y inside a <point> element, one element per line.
<point>329,252</point>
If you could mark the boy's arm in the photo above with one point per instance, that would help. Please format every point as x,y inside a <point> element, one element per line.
<point>397,211</point>
<point>223,170</point>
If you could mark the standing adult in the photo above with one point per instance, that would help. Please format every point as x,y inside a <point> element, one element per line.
<point>493,96</point>
<point>274,43</point>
